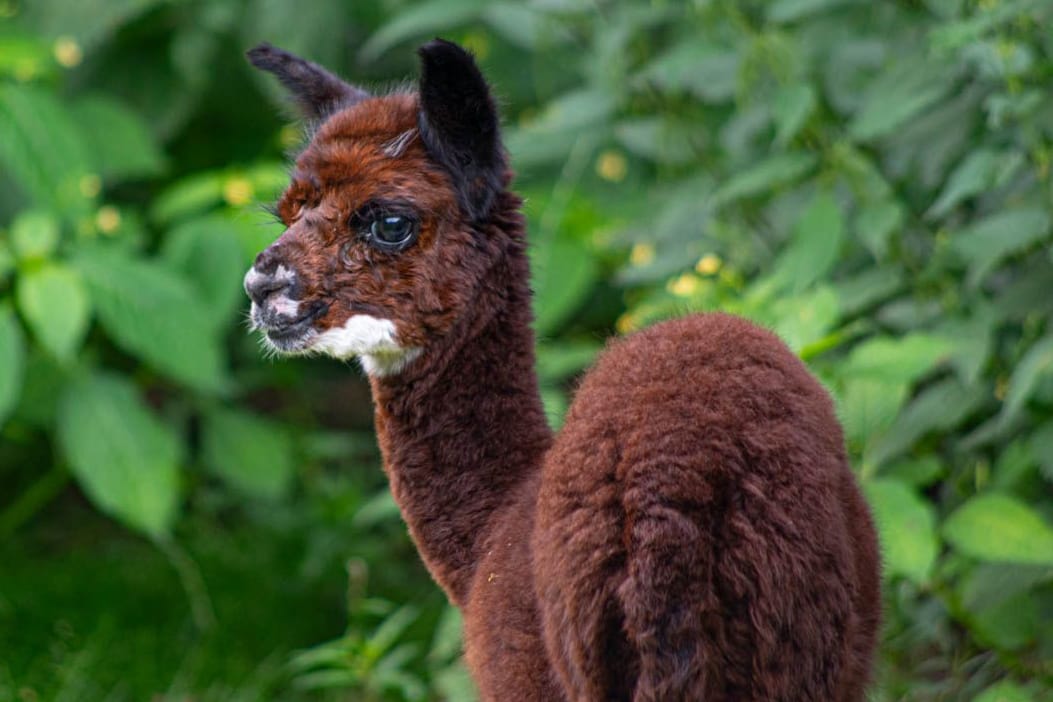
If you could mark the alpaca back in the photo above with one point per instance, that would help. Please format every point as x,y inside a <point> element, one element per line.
<point>698,532</point>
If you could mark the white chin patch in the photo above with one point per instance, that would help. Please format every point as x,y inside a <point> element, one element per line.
<point>371,339</point>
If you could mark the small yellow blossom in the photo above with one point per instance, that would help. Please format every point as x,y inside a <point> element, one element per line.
<point>107,219</point>
<point>90,185</point>
<point>68,52</point>
<point>237,192</point>
<point>683,286</point>
<point>612,166</point>
<point>641,254</point>
<point>708,264</point>
<point>625,324</point>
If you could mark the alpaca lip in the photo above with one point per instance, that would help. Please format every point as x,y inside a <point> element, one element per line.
<point>286,334</point>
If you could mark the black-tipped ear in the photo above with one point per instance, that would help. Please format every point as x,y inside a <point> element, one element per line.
<point>318,92</point>
<point>459,124</point>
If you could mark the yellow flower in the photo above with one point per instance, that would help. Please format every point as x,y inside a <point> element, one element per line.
<point>107,219</point>
<point>708,264</point>
<point>641,254</point>
<point>683,286</point>
<point>612,166</point>
<point>67,52</point>
<point>237,192</point>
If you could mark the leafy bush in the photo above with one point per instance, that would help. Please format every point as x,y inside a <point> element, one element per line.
<point>871,180</point>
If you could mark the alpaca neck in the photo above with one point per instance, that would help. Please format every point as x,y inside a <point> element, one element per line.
<point>462,427</point>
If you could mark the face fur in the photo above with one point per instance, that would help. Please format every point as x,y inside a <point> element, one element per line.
<point>380,255</point>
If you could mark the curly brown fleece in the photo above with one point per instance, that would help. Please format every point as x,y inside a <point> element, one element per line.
<point>694,532</point>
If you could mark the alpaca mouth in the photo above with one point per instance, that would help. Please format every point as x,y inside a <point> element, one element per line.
<point>290,335</point>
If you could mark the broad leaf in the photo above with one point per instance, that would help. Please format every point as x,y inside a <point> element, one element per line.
<point>907,527</point>
<point>793,105</point>
<point>124,457</point>
<point>996,527</point>
<point>764,176</point>
<point>34,234</point>
<point>1036,364</point>
<point>563,272</point>
<point>428,18</point>
<point>814,247</point>
<point>903,359</point>
<point>207,253</point>
<point>119,142</point>
<point>150,311</point>
<point>252,454</point>
<point>42,149</point>
<point>54,302</point>
<point>1005,691</point>
<point>901,92</point>
<point>986,243</point>
<point>12,361</point>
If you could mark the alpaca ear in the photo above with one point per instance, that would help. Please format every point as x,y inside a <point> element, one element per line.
<point>459,124</point>
<point>318,93</point>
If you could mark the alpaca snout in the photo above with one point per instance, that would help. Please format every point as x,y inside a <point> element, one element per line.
<point>274,297</point>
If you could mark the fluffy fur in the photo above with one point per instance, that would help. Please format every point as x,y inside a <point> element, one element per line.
<point>693,533</point>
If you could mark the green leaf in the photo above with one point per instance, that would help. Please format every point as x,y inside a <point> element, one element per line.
<point>1005,691</point>
<point>427,18</point>
<point>939,406</point>
<point>54,302</point>
<point>918,472</point>
<point>996,527</point>
<point>972,176</point>
<point>124,457</point>
<point>793,105</point>
<point>815,245</point>
<point>207,252</point>
<point>868,407</point>
<point>252,454</point>
<point>1035,365</point>
<point>25,56</point>
<point>876,223</point>
<point>558,361</point>
<point>803,319</point>
<point>12,361</point>
<point>792,10</point>
<point>119,142</point>
<point>907,529</point>
<point>563,272</point>
<point>766,175</point>
<point>708,72</point>
<point>901,92</point>
<point>153,313</point>
<point>34,234</point>
<point>42,149</point>
<point>986,243</point>
<point>1041,444</point>
<point>903,359</point>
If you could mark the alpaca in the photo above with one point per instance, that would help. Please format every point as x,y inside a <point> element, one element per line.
<point>694,532</point>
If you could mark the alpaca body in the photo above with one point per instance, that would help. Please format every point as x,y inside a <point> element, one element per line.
<point>694,531</point>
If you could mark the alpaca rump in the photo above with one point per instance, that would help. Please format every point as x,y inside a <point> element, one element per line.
<point>694,532</point>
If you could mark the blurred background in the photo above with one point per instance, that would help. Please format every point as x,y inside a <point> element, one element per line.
<point>183,519</point>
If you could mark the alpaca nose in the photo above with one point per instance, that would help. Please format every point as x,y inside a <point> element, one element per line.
<point>259,286</point>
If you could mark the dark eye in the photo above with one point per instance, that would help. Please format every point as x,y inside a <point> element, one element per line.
<point>391,231</point>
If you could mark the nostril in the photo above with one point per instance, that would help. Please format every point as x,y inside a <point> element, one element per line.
<point>259,286</point>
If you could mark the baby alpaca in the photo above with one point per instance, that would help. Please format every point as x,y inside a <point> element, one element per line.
<point>693,533</point>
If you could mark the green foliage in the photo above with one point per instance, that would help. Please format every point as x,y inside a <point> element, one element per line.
<point>870,180</point>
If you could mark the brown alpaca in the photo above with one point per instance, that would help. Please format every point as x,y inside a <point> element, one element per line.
<point>693,533</point>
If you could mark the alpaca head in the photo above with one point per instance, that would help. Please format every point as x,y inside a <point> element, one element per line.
<point>386,242</point>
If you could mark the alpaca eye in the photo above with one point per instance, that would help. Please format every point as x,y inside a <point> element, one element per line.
<point>392,232</point>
